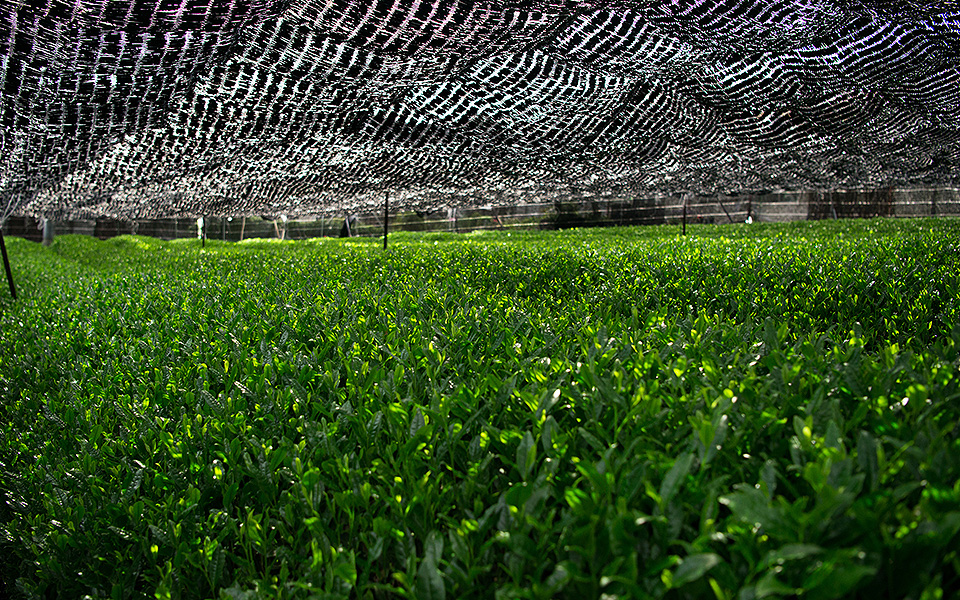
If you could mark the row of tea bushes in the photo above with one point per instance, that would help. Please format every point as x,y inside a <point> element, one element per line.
<point>746,412</point>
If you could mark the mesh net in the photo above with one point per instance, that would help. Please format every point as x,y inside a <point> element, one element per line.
<point>153,108</point>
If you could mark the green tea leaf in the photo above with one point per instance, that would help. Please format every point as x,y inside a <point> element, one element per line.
<point>675,476</point>
<point>429,584</point>
<point>526,455</point>
<point>417,422</point>
<point>867,458</point>
<point>694,567</point>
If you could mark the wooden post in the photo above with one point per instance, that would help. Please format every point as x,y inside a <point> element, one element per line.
<point>6,265</point>
<point>386,218</point>
<point>243,225</point>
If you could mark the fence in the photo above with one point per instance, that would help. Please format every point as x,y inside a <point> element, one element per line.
<point>592,212</point>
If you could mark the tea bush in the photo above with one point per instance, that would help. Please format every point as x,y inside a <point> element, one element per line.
<point>746,412</point>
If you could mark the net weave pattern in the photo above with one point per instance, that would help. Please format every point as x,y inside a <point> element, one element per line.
<point>153,108</point>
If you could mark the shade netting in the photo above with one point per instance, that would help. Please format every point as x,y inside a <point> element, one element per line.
<point>153,108</point>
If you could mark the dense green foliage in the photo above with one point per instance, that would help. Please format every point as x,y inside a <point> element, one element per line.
<point>746,412</point>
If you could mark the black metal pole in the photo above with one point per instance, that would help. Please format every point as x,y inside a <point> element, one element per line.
<point>684,214</point>
<point>386,218</point>
<point>6,265</point>
<point>724,209</point>
<point>203,232</point>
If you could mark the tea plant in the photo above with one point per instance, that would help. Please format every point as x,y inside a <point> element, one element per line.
<point>746,412</point>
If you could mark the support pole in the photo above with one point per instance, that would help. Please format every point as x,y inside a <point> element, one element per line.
<point>243,226</point>
<point>386,218</point>
<point>6,265</point>
<point>724,209</point>
<point>48,231</point>
<point>203,227</point>
<point>685,198</point>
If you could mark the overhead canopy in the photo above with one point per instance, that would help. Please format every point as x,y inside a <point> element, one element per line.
<point>150,108</point>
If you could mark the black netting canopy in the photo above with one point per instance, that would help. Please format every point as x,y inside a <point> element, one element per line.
<point>151,108</point>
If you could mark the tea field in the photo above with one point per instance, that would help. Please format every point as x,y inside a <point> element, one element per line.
<point>750,411</point>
